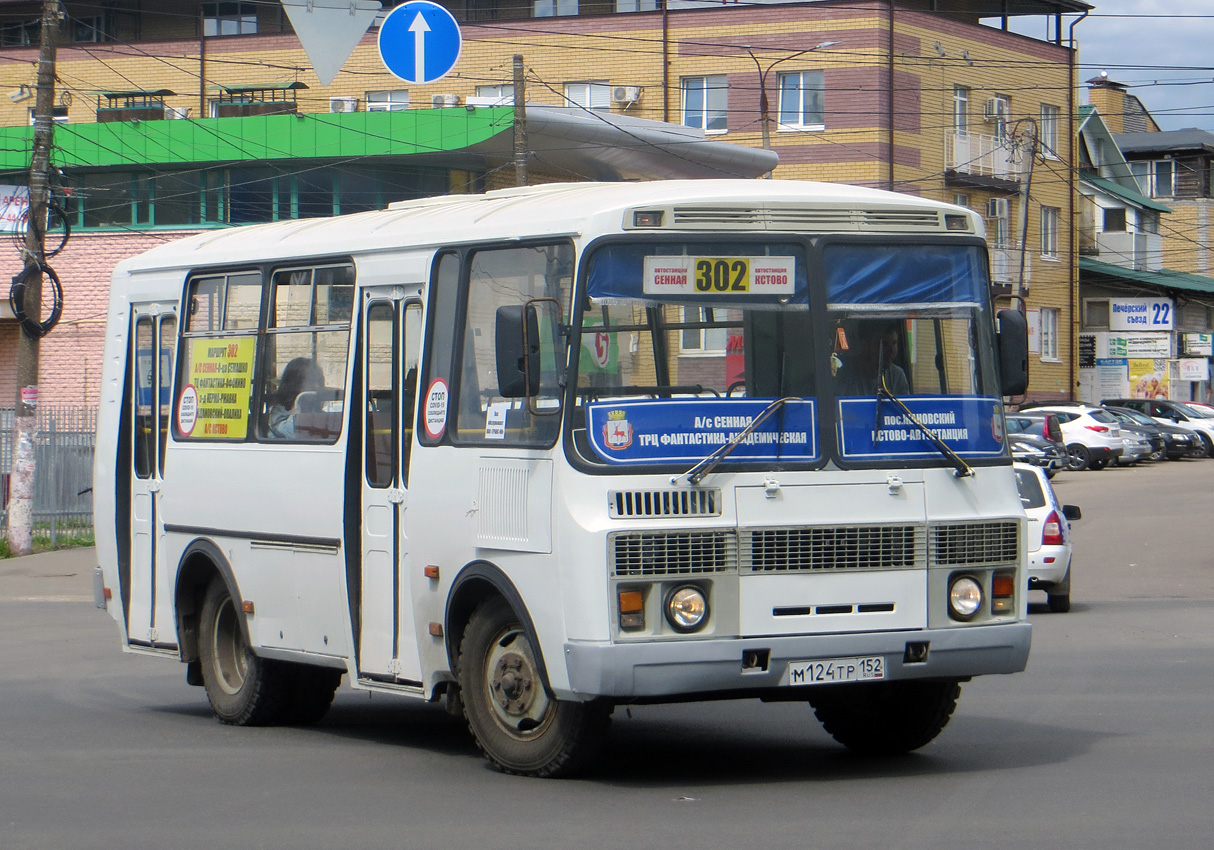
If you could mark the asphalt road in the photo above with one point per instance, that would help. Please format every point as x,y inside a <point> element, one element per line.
<point>1107,741</point>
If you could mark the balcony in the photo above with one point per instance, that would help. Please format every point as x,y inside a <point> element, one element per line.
<point>1005,267</point>
<point>980,161</point>
<point>1139,251</point>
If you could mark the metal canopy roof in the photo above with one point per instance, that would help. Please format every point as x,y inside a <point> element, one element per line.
<point>1164,279</point>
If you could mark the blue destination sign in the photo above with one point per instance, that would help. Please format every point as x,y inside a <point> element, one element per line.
<point>969,425</point>
<point>685,431</point>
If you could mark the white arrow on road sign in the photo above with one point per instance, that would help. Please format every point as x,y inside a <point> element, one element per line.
<point>420,42</point>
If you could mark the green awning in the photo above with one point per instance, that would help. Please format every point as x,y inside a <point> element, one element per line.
<point>1164,278</point>
<point>1127,195</point>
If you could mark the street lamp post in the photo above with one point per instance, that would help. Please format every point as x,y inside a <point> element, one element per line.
<point>764,105</point>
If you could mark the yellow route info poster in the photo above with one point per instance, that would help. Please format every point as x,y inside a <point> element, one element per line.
<point>214,403</point>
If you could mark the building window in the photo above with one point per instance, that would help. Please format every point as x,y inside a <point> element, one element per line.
<point>20,33</point>
<point>1114,220</point>
<point>59,115</point>
<point>90,28</point>
<point>705,103</point>
<point>229,19</point>
<point>387,101</point>
<point>636,5</point>
<point>596,95</point>
<point>961,110</point>
<point>710,337</point>
<point>1096,313</point>
<point>554,8</point>
<point>1048,128</point>
<point>997,112</point>
<point>1049,231</point>
<point>961,200</point>
<point>497,95</point>
<point>1049,333</point>
<point>1157,179</point>
<point>801,101</point>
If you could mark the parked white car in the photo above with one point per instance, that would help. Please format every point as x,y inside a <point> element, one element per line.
<point>1092,434</point>
<point>1049,536</point>
<point>1191,418</point>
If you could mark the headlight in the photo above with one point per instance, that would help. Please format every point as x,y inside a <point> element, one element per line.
<point>686,608</point>
<point>964,598</point>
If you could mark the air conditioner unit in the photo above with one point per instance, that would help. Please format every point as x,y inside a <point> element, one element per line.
<point>996,108</point>
<point>177,112</point>
<point>625,94</point>
<point>997,208</point>
<point>444,101</point>
<point>343,104</point>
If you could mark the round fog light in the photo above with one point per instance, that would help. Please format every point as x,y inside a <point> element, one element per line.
<point>964,598</point>
<point>686,608</point>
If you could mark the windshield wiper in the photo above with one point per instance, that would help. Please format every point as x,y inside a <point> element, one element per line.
<point>697,473</point>
<point>961,469</point>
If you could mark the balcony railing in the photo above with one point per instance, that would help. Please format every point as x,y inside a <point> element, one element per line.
<point>1138,251</point>
<point>987,156</point>
<point>1005,264</point>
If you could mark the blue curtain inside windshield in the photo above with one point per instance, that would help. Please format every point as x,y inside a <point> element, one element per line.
<point>617,273</point>
<point>904,274</point>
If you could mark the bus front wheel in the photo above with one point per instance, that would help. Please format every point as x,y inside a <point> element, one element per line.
<point>886,718</point>
<point>520,727</point>
<point>244,690</point>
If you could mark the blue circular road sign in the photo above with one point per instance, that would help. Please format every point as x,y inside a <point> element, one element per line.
<point>420,42</point>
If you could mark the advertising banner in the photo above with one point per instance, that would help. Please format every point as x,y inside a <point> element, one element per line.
<point>688,430</point>
<point>14,204</point>
<point>215,400</point>
<point>1194,369</point>
<point>1112,379</point>
<point>1149,378</point>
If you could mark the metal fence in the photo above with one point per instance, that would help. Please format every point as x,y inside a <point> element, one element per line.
<point>63,475</point>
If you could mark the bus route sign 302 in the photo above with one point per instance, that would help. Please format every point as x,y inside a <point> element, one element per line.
<point>737,276</point>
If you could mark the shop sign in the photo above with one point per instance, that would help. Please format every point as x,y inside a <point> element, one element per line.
<point>1194,369</point>
<point>1140,314</point>
<point>1199,344</point>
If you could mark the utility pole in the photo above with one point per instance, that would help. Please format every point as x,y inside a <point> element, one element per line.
<point>520,122</point>
<point>21,483</point>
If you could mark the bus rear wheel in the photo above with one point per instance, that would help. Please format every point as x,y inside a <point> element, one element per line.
<point>886,718</point>
<point>311,692</point>
<point>244,690</point>
<point>520,727</point>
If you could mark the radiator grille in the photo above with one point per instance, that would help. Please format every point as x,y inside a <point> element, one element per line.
<point>963,544</point>
<point>656,503</point>
<point>673,553</point>
<point>872,547</point>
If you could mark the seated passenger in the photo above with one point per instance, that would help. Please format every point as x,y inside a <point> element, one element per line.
<point>876,358</point>
<point>301,375</point>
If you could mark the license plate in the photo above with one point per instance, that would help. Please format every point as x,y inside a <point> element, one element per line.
<point>829,671</point>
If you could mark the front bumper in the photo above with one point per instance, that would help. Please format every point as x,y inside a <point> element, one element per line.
<point>670,669</point>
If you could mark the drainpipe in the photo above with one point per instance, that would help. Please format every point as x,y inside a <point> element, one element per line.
<point>1070,153</point>
<point>890,112</point>
<point>666,61</point>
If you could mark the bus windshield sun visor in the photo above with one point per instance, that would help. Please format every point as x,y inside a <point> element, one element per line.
<point>885,278</point>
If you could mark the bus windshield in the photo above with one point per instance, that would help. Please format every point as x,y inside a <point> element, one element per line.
<point>681,345</point>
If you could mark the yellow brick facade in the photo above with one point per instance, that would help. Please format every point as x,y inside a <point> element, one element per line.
<point>865,121</point>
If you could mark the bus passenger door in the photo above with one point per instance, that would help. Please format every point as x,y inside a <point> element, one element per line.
<point>149,612</point>
<point>387,638</point>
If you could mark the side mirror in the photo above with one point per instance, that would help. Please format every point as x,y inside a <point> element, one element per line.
<point>517,342</point>
<point>1072,512</point>
<point>1013,341</point>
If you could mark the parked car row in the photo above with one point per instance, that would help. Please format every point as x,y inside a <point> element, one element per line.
<point>1119,431</point>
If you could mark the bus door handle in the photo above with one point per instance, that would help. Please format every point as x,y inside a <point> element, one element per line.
<point>396,496</point>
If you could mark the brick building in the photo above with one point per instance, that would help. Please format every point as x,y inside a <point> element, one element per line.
<point>933,98</point>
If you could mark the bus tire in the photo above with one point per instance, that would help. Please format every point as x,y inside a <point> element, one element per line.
<point>244,690</point>
<point>311,692</point>
<point>519,726</point>
<point>886,718</point>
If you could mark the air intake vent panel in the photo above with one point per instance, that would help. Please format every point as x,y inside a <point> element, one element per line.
<point>625,504</point>
<point>971,543</point>
<point>673,553</point>
<point>833,548</point>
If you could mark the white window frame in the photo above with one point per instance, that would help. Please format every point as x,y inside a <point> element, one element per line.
<point>961,110</point>
<point>1049,334</point>
<point>809,93</point>
<point>554,8</point>
<point>387,100</point>
<point>499,94</point>
<point>1146,171</point>
<point>593,94</point>
<point>1050,218</point>
<point>712,91</point>
<point>1051,120</point>
<point>700,314</point>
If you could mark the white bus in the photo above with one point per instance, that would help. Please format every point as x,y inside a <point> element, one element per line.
<point>545,451</point>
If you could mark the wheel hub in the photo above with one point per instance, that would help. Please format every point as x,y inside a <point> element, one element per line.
<point>513,684</point>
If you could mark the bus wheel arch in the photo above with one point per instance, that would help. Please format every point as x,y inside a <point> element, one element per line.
<point>477,583</point>
<point>200,564</point>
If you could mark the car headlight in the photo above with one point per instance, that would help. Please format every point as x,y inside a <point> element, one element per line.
<point>964,597</point>
<point>686,608</point>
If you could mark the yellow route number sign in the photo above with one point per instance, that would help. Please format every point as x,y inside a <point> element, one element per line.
<point>729,276</point>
